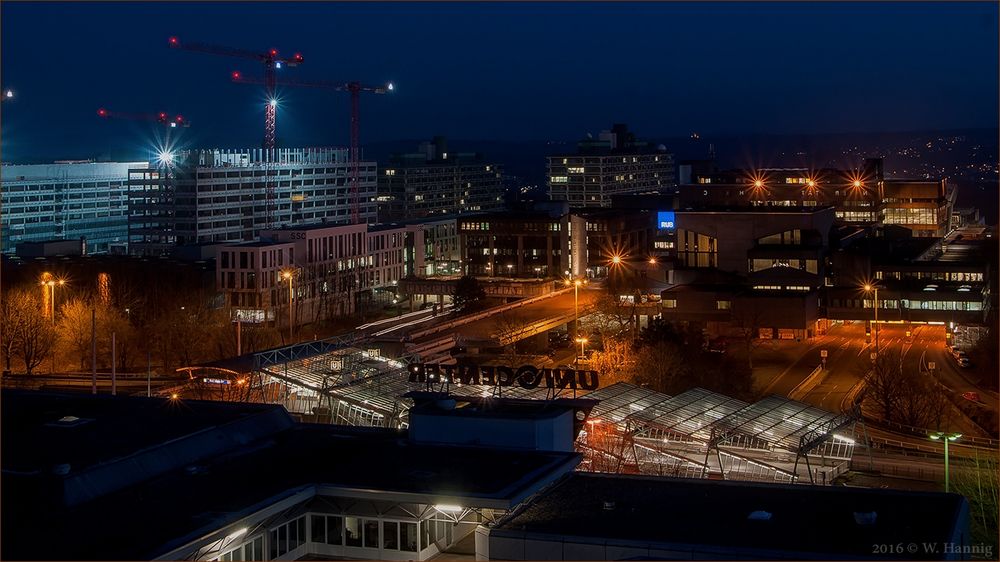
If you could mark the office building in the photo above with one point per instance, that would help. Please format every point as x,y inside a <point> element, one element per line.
<point>616,162</point>
<point>220,196</point>
<point>440,246</point>
<point>919,279</point>
<point>336,270</point>
<point>66,201</point>
<point>860,197</point>
<point>434,181</point>
<point>528,242</point>
<point>750,269</point>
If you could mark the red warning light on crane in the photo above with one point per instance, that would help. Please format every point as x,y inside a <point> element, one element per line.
<point>102,112</point>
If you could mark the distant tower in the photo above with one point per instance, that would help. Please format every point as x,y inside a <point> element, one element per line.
<point>711,151</point>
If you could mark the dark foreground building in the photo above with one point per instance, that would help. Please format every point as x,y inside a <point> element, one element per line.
<point>114,478</point>
<point>613,517</point>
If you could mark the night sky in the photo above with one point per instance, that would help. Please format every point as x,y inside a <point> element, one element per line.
<point>497,71</point>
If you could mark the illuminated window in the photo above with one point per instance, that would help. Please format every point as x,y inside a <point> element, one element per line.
<point>560,179</point>
<point>723,305</point>
<point>575,170</point>
<point>669,303</point>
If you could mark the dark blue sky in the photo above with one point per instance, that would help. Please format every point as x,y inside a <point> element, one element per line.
<point>498,71</point>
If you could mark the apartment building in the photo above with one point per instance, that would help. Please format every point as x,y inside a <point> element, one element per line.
<point>66,200</point>
<point>331,270</point>
<point>615,163</point>
<point>205,196</point>
<point>434,182</point>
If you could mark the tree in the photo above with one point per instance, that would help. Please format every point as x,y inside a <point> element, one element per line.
<point>469,294</point>
<point>28,332</point>
<point>978,483</point>
<point>885,383</point>
<point>747,320</point>
<point>14,309</point>
<point>74,329</point>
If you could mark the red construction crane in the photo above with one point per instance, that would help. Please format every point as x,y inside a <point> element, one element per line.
<point>355,89</point>
<point>271,62</point>
<point>161,117</point>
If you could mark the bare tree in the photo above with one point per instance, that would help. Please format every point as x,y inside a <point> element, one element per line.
<point>616,361</point>
<point>921,402</point>
<point>747,320</point>
<point>978,483</point>
<point>885,383</point>
<point>74,329</point>
<point>14,309</point>
<point>28,331</point>
<point>612,317</point>
<point>508,329</point>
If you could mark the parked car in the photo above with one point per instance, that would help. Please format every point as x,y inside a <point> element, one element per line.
<point>964,362</point>
<point>958,353</point>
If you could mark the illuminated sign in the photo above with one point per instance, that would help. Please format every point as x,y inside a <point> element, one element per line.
<point>665,220</point>
<point>216,381</point>
<point>526,376</point>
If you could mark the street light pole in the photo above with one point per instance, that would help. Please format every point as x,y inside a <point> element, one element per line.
<point>288,275</point>
<point>874,288</point>
<point>946,437</point>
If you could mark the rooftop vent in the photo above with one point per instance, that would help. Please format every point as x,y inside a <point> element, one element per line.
<point>68,421</point>
<point>759,515</point>
<point>865,518</point>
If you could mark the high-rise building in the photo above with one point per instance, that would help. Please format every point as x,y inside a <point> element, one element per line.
<point>434,181</point>
<point>219,196</point>
<point>614,163</point>
<point>66,201</point>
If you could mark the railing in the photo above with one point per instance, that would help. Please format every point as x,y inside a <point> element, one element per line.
<point>924,432</point>
<point>807,384</point>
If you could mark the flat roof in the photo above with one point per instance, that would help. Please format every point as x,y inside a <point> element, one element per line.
<point>148,519</point>
<point>675,511</point>
<point>756,210</point>
<point>106,427</point>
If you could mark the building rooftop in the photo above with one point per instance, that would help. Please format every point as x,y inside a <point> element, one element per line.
<point>757,210</point>
<point>201,495</point>
<point>788,520</point>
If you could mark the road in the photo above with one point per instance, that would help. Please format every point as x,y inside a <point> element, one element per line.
<point>485,328</point>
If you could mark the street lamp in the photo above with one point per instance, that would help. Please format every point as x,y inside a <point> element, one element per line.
<point>869,287</point>
<point>582,342</point>
<point>287,275</point>
<point>510,270</point>
<point>576,300</point>
<point>48,281</point>
<point>946,437</point>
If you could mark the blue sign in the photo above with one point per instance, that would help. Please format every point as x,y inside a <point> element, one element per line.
<point>665,220</point>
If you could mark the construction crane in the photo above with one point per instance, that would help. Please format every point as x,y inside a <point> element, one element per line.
<point>163,118</point>
<point>355,89</point>
<point>271,62</point>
